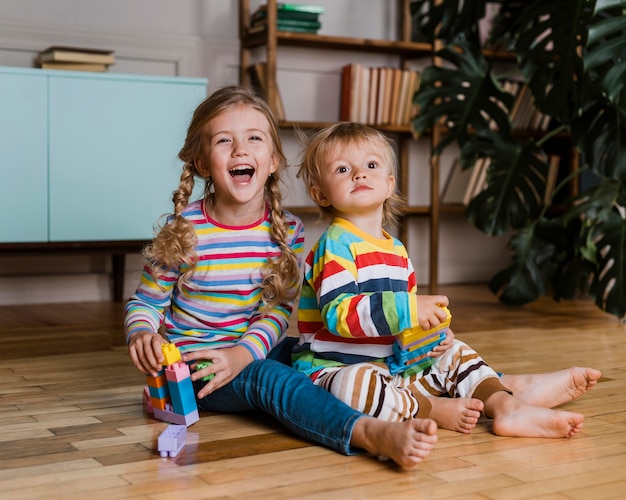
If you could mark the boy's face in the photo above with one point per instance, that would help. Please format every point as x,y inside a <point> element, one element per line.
<point>354,180</point>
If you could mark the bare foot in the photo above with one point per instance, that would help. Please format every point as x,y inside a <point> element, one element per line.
<point>456,414</point>
<point>512,417</point>
<point>552,389</point>
<point>406,443</point>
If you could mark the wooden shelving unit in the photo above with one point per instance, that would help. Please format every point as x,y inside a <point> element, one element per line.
<point>403,48</point>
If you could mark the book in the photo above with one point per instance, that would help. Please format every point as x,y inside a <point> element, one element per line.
<point>382,103</point>
<point>364,96</point>
<point>396,80</point>
<point>289,11</point>
<point>553,171</point>
<point>256,72</point>
<point>76,54</point>
<point>295,25</point>
<point>411,110</point>
<point>74,66</point>
<point>476,181</point>
<point>456,184</point>
<point>348,77</point>
<point>373,96</point>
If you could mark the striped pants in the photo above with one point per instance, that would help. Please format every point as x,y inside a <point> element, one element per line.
<point>369,387</point>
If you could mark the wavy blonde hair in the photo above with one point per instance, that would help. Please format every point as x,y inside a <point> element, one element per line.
<point>318,148</point>
<point>174,245</point>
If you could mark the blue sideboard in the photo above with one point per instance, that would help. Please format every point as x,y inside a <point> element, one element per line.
<point>88,161</point>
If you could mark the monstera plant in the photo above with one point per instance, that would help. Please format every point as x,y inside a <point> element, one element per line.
<point>572,56</point>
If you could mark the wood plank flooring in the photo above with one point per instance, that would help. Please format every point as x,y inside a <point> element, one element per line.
<point>72,423</point>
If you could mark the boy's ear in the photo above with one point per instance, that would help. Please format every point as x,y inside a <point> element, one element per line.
<point>391,186</point>
<point>318,196</point>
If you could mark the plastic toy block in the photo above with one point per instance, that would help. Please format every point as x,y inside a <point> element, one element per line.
<point>203,364</point>
<point>167,415</point>
<point>171,393</point>
<point>171,354</point>
<point>412,346</point>
<point>183,398</point>
<point>177,372</point>
<point>159,392</point>
<point>404,356</point>
<point>413,335</point>
<point>147,401</point>
<point>158,381</point>
<point>172,440</point>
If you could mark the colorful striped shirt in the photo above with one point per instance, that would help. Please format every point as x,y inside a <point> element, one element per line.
<point>358,292</point>
<point>220,307</point>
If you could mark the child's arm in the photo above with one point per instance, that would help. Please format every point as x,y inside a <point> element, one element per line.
<point>145,313</point>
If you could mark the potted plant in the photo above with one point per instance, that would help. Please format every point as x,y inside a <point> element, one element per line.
<point>571,54</point>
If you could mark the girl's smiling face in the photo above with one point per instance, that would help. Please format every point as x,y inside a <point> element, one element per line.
<point>238,155</point>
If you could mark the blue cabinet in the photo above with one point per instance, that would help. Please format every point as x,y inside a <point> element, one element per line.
<point>23,157</point>
<point>88,157</point>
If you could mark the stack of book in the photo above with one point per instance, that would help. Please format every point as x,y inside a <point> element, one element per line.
<point>524,114</point>
<point>378,96</point>
<point>74,58</point>
<point>289,17</point>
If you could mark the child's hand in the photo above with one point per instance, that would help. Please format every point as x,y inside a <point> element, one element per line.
<point>443,346</point>
<point>226,364</point>
<point>430,310</point>
<point>145,351</point>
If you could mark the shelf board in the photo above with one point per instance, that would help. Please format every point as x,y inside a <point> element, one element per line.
<point>396,129</point>
<point>293,39</point>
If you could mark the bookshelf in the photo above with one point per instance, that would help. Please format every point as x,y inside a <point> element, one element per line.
<point>404,50</point>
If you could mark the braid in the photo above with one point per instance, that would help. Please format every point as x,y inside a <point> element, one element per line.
<point>281,277</point>
<point>175,242</point>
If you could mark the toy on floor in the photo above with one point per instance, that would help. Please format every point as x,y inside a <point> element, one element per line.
<point>412,345</point>
<point>170,396</point>
<point>172,440</point>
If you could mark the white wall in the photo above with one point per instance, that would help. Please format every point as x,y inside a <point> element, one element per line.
<point>200,38</point>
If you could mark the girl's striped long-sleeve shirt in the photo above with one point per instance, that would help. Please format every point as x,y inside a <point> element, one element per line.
<point>220,307</point>
<point>358,292</point>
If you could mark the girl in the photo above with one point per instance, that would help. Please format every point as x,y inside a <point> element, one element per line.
<point>221,280</point>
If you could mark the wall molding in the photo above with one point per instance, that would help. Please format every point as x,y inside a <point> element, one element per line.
<point>184,52</point>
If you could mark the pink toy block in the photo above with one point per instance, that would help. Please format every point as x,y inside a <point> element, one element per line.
<point>147,401</point>
<point>172,440</point>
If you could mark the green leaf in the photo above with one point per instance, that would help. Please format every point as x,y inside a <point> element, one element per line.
<point>600,133</point>
<point>606,50</point>
<point>446,19</point>
<point>549,50</point>
<point>609,285</point>
<point>524,280</point>
<point>464,94</point>
<point>516,184</point>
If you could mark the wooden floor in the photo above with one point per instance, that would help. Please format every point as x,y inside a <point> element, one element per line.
<point>73,427</point>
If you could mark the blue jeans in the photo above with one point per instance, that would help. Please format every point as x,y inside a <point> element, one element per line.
<point>272,386</point>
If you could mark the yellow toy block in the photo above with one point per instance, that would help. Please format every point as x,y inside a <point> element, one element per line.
<point>171,354</point>
<point>416,337</point>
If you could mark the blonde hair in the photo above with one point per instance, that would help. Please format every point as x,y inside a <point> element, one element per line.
<point>174,245</point>
<point>345,134</point>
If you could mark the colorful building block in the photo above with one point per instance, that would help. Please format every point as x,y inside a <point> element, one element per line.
<point>172,440</point>
<point>412,346</point>
<point>171,393</point>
